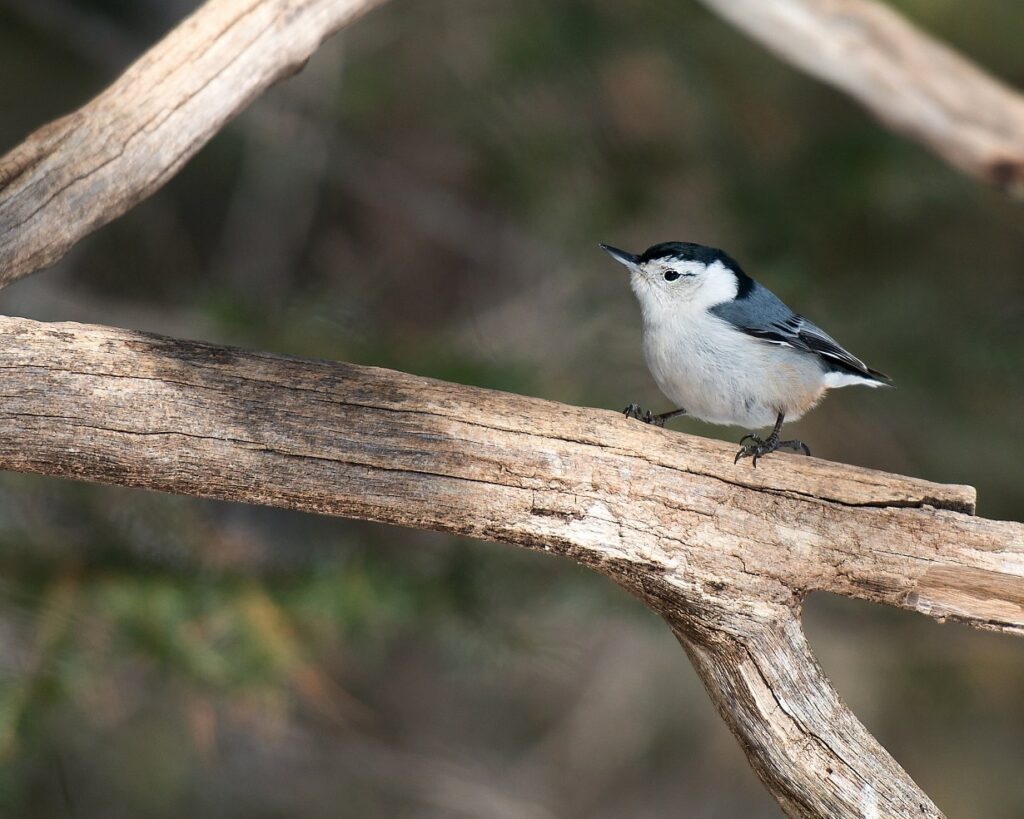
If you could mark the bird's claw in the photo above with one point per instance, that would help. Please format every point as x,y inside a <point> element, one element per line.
<point>758,448</point>
<point>648,417</point>
<point>796,446</point>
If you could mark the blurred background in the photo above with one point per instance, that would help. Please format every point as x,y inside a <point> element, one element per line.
<point>428,195</point>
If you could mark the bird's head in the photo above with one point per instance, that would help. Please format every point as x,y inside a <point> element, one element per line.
<point>682,275</point>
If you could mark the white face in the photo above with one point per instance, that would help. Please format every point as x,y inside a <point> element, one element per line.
<point>675,284</point>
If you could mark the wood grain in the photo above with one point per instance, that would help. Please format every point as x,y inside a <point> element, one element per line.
<point>80,172</point>
<point>723,552</point>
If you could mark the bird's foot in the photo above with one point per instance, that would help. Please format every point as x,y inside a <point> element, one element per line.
<point>753,446</point>
<point>648,417</point>
<point>758,447</point>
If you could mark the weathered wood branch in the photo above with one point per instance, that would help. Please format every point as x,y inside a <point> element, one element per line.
<point>805,744</point>
<point>909,80</point>
<point>80,172</point>
<point>724,553</point>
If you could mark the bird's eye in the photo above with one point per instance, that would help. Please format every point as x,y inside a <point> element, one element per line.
<point>671,275</point>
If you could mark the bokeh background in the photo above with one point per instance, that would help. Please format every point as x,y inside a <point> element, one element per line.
<point>428,195</point>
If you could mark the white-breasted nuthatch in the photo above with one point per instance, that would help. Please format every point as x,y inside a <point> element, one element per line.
<point>726,350</point>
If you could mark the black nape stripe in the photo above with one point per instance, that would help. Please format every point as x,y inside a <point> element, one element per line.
<point>746,284</point>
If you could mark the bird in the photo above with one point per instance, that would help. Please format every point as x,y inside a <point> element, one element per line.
<point>726,350</point>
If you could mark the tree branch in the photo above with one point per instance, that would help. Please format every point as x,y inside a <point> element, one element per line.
<point>80,172</point>
<point>724,553</point>
<point>910,81</point>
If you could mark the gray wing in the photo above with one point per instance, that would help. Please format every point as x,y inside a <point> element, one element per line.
<point>762,314</point>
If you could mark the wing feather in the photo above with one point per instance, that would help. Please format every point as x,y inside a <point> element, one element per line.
<point>763,315</point>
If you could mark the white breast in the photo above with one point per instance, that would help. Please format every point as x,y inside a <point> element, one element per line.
<point>724,376</point>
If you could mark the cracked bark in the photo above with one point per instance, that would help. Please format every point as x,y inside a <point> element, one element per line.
<point>723,553</point>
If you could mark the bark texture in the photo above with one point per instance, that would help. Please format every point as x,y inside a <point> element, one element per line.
<point>909,80</point>
<point>723,552</point>
<point>80,172</point>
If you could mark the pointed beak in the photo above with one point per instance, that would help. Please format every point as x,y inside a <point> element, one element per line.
<point>630,260</point>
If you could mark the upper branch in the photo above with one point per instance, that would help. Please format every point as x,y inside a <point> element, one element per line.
<point>86,169</point>
<point>909,80</point>
<point>80,172</point>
